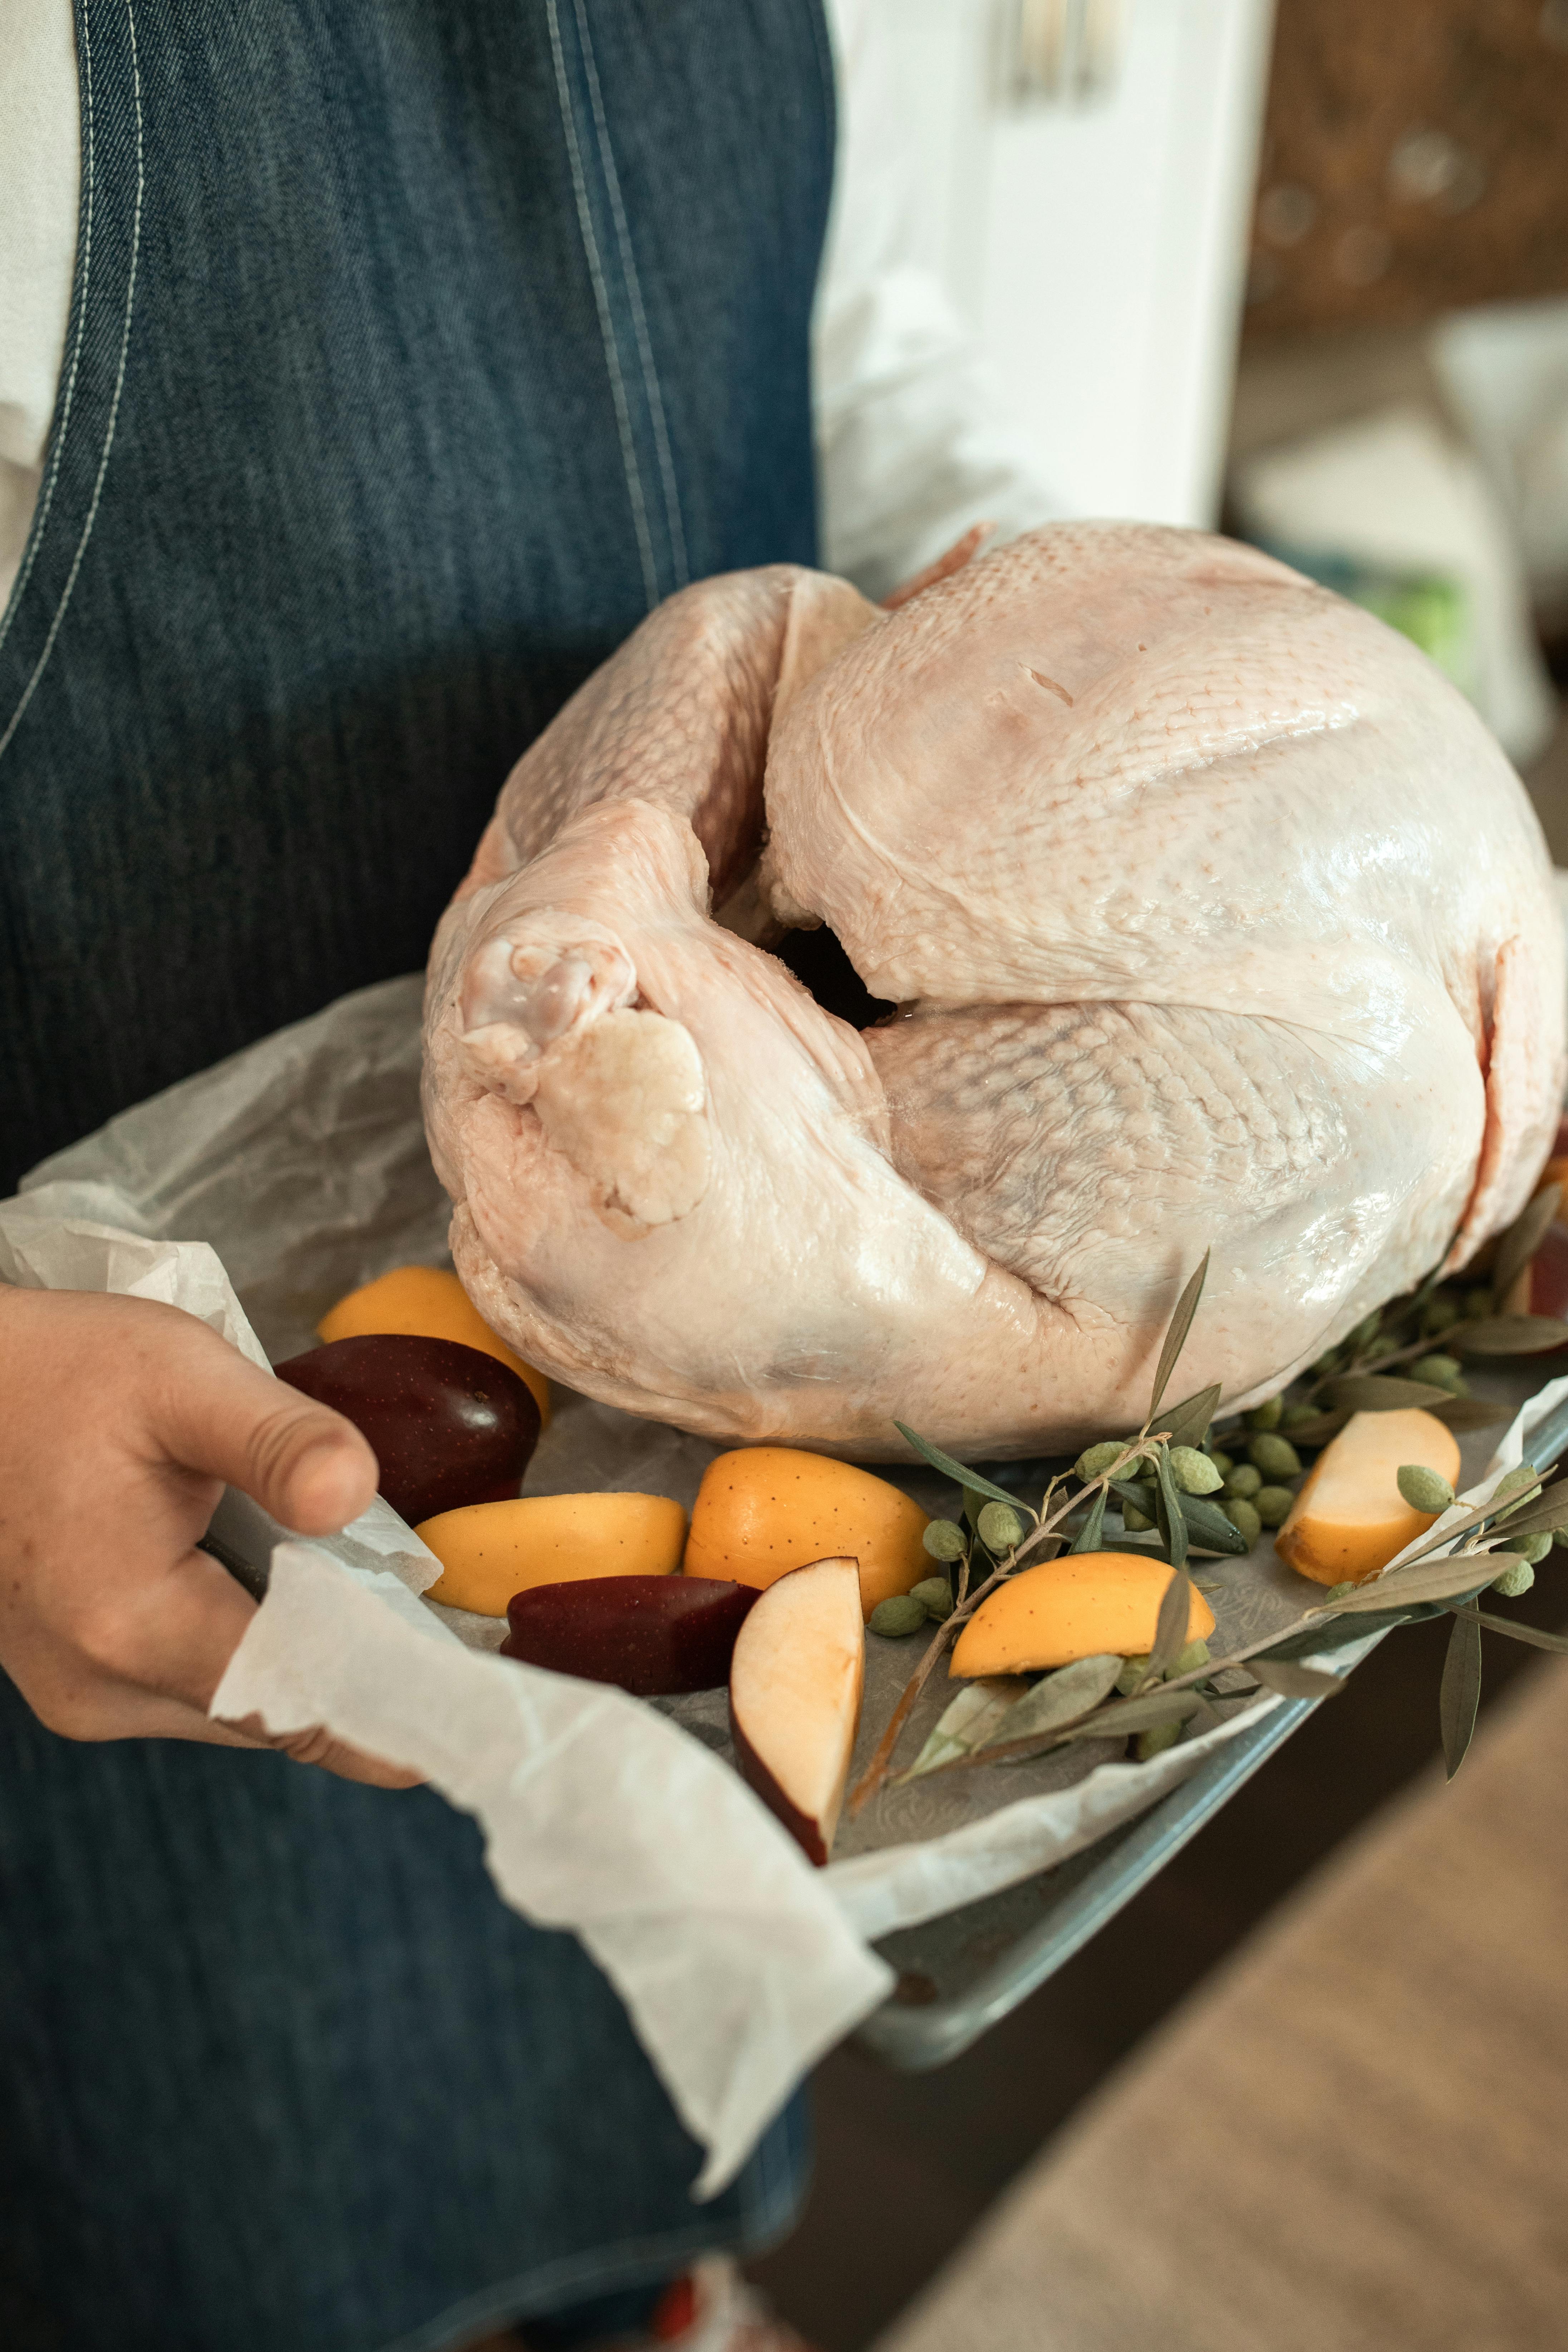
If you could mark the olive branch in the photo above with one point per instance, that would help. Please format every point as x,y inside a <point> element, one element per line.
<point>1158,1697</point>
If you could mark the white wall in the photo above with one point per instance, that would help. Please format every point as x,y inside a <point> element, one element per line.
<point>1100,247</point>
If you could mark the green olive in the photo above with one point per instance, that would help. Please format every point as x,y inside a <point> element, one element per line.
<point>1242,1518</point>
<point>1275,1457</point>
<point>1157,1740</point>
<point>1424,1490</point>
<point>1194,1473</point>
<point>1440,1372</point>
<point>902,1614</point>
<point>1000,1529</point>
<point>935,1596</point>
<point>1272,1505</point>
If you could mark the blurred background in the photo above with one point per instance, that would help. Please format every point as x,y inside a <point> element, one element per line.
<point>1299,270</point>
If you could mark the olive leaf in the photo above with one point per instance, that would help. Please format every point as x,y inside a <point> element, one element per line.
<point>1460,1694</point>
<point>966,1721</point>
<point>1206,1523</point>
<point>1544,1515</point>
<point>1208,1526</point>
<point>1524,1238</point>
<point>1534,1635</point>
<point>1541,1517</point>
<point>1320,1429</point>
<point>1170,1517</point>
<point>1091,1535</point>
<point>970,1480</point>
<point>1427,1580</point>
<point>1177,1334</point>
<point>1380,1392</point>
<point>1073,1691</point>
<point>1110,1722</point>
<point>1507,1335</point>
<point>1468,1413</point>
<point>1170,1636</point>
<point>1187,1424</point>
<point>1283,1675</point>
<point>1140,1714</point>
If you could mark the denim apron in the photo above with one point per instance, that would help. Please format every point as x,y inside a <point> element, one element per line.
<point>417,348</point>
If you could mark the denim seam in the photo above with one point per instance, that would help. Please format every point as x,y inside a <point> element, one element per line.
<point>46,495</point>
<point>606,322</point>
<point>87,528</point>
<point>679,564</point>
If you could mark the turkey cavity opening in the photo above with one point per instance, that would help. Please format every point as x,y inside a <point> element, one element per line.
<point>820,962</point>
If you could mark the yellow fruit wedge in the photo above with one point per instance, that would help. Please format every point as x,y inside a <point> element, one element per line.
<point>1085,1605</point>
<point>429,1303</point>
<point>487,1552</point>
<point>1349,1519</point>
<point>765,1509</point>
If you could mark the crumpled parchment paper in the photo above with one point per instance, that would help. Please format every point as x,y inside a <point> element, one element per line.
<point>255,1194</point>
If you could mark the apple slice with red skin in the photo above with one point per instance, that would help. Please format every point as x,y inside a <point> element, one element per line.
<point>654,1635</point>
<point>795,1680</point>
<point>447,1425</point>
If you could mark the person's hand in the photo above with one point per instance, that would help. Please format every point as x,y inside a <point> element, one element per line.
<point>121,1422</point>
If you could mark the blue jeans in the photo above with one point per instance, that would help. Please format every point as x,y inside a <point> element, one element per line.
<point>280,2073</point>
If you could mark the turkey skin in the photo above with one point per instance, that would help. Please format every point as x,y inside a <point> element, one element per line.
<point>1213,919</point>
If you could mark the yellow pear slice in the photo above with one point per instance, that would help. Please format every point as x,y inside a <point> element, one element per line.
<point>1349,1519</point>
<point>1084,1605</point>
<point>487,1552</point>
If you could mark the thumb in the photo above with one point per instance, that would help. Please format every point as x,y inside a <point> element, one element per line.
<point>301,1462</point>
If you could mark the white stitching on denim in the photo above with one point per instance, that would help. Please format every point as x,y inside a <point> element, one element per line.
<point>114,405</point>
<point>46,491</point>
<point>606,325</point>
<point>634,296</point>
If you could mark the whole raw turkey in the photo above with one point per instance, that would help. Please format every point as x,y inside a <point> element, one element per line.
<point>1212,917</point>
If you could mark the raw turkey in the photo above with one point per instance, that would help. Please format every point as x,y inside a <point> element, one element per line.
<point>1212,916</point>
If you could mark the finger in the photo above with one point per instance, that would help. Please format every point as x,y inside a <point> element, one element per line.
<point>172,1637</point>
<point>301,1462</point>
<point>107,1709</point>
<point>319,1747</point>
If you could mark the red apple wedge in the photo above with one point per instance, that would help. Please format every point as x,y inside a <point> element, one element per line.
<point>652,1635</point>
<point>795,1697</point>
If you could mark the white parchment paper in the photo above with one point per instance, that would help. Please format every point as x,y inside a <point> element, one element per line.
<point>255,1195</point>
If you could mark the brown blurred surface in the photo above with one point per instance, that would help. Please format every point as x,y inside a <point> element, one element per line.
<point>1353,2136</point>
<point>906,2165</point>
<point>1414,160</point>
